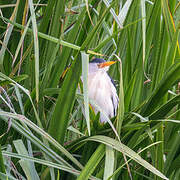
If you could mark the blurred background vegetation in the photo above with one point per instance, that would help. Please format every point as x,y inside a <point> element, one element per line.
<point>45,47</point>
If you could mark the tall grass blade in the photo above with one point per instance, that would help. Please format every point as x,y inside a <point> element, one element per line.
<point>92,163</point>
<point>36,48</point>
<point>27,166</point>
<point>109,163</point>
<point>85,65</point>
<point>127,151</point>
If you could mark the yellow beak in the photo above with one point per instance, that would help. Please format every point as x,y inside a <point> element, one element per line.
<point>109,63</point>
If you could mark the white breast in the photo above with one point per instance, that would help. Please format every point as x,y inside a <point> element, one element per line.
<point>103,92</point>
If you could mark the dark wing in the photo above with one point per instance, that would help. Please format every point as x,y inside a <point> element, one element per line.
<point>113,81</point>
<point>115,102</point>
<point>97,60</point>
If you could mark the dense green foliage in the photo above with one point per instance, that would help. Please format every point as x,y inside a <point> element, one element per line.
<point>45,49</point>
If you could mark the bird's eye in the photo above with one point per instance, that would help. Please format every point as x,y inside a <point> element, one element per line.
<point>99,65</point>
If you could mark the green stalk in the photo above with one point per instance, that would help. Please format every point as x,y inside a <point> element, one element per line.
<point>55,28</point>
<point>160,150</point>
<point>92,163</point>
<point>45,21</point>
<point>2,167</point>
<point>121,103</point>
<point>65,102</point>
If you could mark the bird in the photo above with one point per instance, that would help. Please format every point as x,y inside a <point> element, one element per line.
<point>101,88</point>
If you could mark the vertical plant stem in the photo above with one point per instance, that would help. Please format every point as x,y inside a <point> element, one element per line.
<point>2,167</point>
<point>160,150</point>
<point>92,163</point>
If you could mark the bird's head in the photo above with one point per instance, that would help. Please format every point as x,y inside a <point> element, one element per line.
<point>99,65</point>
